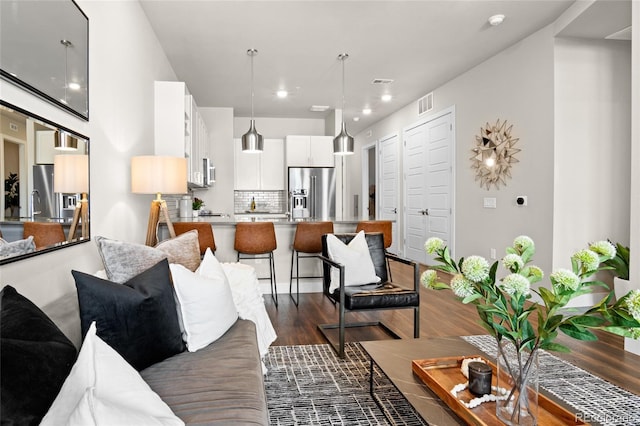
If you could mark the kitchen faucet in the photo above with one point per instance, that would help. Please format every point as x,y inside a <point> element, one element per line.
<point>32,208</point>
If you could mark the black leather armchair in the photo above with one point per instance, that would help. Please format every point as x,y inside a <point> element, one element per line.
<point>368,297</point>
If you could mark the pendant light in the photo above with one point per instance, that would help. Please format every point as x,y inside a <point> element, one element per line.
<point>252,140</point>
<point>343,143</point>
<point>64,141</point>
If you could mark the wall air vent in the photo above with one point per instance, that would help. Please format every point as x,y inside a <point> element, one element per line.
<point>425,103</point>
<point>319,108</point>
<point>382,81</point>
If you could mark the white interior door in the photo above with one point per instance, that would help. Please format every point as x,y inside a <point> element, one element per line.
<point>415,160</point>
<point>389,186</point>
<point>428,177</point>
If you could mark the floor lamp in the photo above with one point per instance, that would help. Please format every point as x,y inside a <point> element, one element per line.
<point>152,174</point>
<point>71,176</point>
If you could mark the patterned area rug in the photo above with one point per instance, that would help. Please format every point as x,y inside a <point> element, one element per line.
<point>310,385</point>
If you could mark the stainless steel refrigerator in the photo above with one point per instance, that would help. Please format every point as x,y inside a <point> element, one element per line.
<point>312,192</point>
<point>46,202</point>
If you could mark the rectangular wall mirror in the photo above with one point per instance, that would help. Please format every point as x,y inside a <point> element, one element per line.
<point>45,169</point>
<point>44,48</point>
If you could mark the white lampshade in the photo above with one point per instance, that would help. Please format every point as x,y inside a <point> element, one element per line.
<point>71,174</point>
<point>151,174</point>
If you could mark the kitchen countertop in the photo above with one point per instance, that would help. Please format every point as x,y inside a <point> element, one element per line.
<point>277,219</point>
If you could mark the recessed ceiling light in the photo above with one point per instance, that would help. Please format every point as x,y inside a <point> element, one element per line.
<point>366,111</point>
<point>496,20</point>
<point>356,118</point>
<point>386,97</point>
<point>282,94</point>
<point>319,108</point>
<point>74,86</point>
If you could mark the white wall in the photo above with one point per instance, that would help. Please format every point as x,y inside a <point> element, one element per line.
<point>123,65</point>
<point>515,85</point>
<point>634,262</point>
<point>592,144</point>
<point>279,128</point>
<point>219,122</point>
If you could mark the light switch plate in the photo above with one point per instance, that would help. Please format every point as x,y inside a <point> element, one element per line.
<point>489,202</point>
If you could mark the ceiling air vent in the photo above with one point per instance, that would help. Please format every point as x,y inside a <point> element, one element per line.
<point>425,103</point>
<point>382,81</point>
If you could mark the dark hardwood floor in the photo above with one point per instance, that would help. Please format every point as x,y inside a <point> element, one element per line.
<point>440,315</point>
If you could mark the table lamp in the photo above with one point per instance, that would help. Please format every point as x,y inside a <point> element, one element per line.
<point>71,176</point>
<point>152,174</point>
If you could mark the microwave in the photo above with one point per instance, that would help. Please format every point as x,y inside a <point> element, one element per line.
<point>209,177</point>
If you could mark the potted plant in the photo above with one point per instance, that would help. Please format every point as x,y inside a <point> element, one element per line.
<point>11,193</point>
<point>504,306</point>
<point>619,266</point>
<point>196,205</point>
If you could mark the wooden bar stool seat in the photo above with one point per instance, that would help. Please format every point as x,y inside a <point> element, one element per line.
<point>257,240</point>
<point>308,241</point>
<point>205,234</point>
<point>44,233</point>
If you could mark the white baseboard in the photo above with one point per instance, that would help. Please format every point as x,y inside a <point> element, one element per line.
<point>586,300</point>
<point>632,346</point>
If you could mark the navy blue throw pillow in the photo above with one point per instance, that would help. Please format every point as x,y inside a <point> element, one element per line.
<point>35,359</point>
<point>138,318</point>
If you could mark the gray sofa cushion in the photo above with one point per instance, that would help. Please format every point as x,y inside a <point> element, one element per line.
<point>217,385</point>
<point>65,313</point>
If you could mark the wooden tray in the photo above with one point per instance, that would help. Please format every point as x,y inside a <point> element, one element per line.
<point>442,374</point>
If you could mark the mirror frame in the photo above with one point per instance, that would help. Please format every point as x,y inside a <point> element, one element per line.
<point>64,244</point>
<point>37,87</point>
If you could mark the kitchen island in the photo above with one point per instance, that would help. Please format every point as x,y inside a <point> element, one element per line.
<point>224,229</point>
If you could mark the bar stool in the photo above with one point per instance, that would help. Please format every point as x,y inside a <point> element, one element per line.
<point>384,226</point>
<point>257,240</point>
<point>205,234</point>
<point>307,240</point>
<point>44,233</point>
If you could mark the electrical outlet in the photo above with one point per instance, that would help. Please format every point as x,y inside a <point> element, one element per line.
<point>521,200</point>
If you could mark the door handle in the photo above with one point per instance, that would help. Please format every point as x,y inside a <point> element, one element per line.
<point>424,212</point>
<point>395,210</point>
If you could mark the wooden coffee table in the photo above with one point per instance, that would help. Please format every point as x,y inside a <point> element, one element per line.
<point>394,358</point>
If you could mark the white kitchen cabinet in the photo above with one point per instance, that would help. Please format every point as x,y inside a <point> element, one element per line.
<point>309,151</point>
<point>260,171</point>
<point>179,131</point>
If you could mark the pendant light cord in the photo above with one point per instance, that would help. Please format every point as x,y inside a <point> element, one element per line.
<point>252,53</point>
<point>343,57</point>
<point>66,44</point>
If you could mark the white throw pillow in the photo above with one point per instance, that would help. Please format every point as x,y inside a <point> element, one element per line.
<point>249,301</point>
<point>358,266</point>
<point>205,302</point>
<point>103,389</point>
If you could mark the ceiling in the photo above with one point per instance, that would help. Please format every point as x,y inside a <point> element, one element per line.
<point>418,44</point>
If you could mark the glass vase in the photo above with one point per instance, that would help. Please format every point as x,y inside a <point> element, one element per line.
<point>518,382</point>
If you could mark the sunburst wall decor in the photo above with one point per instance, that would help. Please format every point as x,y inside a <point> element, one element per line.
<point>494,154</point>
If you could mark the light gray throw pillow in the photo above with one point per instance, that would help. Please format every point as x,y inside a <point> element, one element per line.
<point>123,260</point>
<point>16,248</point>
